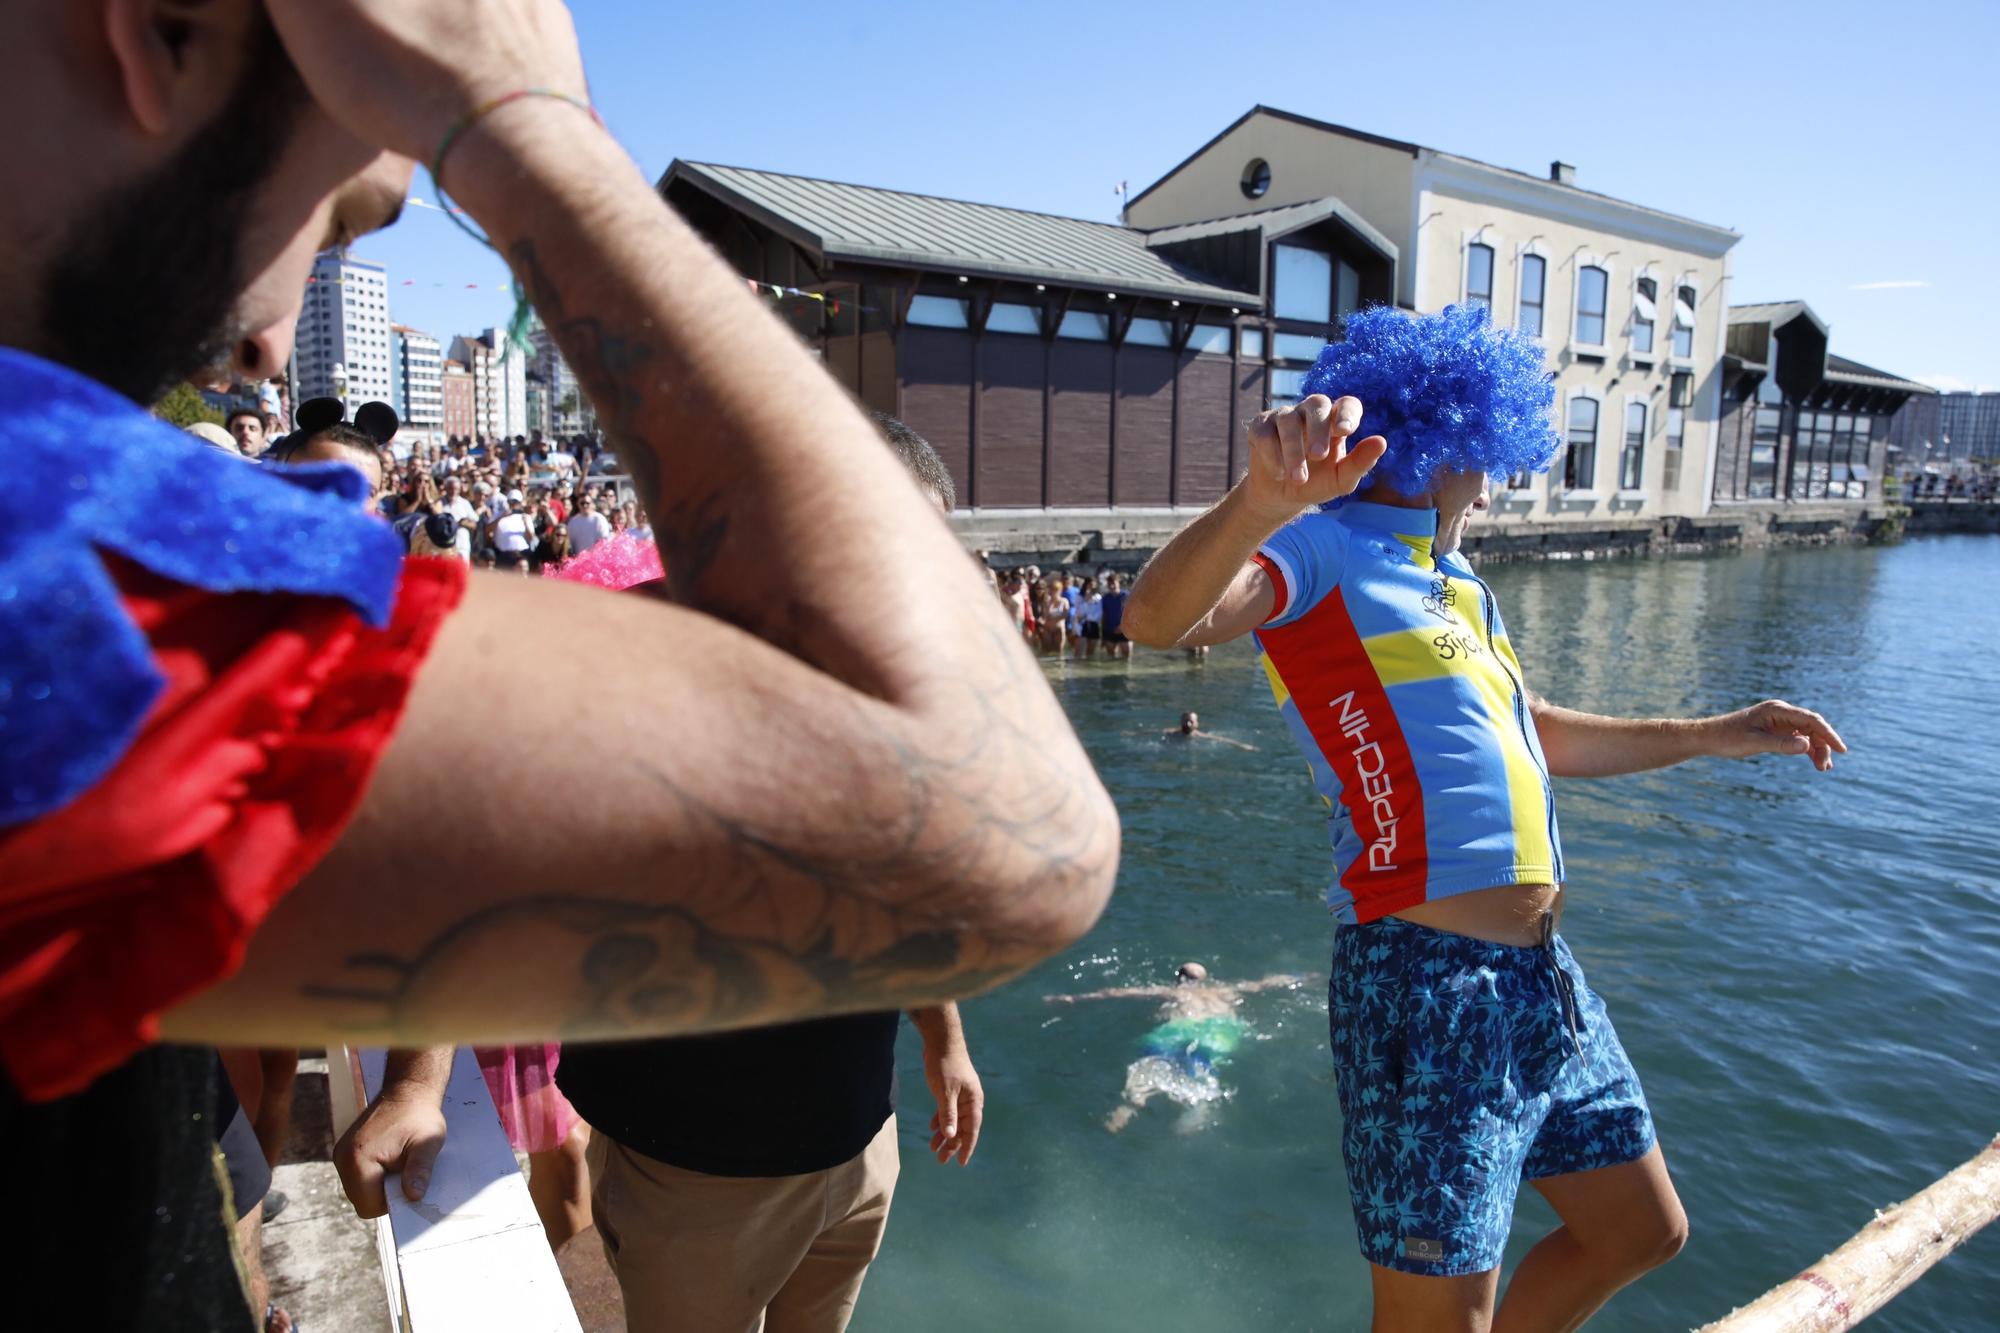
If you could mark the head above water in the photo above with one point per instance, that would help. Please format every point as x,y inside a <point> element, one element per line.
<point>1189,974</point>
<point>1449,392</point>
<point>1190,724</point>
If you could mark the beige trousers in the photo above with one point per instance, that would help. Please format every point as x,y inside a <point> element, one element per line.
<point>695,1253</point>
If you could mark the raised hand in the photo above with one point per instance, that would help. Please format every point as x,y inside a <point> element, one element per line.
<point>1300,455</point>
<point>398,74</point>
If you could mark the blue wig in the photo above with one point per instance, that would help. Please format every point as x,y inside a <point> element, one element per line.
<point>1448,391</point>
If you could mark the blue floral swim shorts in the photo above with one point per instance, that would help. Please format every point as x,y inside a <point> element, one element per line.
<point>1465,1067</point>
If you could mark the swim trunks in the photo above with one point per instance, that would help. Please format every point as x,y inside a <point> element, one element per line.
<point>1196,1044</point>
<point>1465,1067</point>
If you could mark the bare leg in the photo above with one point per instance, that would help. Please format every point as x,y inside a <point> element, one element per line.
<point>1618,1223</point>
<point>273,1117</point>
<point>1408,1303</point>
<point>559,1183</point>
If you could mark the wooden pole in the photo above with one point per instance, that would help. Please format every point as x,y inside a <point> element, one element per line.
<point>1888,1255</point>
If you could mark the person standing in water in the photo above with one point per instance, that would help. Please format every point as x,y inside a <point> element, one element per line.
<point>1199,1028</point>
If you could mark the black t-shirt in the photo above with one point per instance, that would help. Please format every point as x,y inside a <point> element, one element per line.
<point>116,1213</point>
<point>777,1101</point>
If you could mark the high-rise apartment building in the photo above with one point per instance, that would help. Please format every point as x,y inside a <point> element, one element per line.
<point>499,382</point>
<point>417,363</point>
<point>455,392</point>
<point>344,336</point>
<point>563,405</point>
<point>1968,427</point>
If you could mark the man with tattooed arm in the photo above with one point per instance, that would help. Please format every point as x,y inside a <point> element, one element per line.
<point>232,727</point>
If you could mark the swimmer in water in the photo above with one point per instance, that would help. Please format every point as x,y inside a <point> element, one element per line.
<point>1199,1029</point>
<point>1190,730</point>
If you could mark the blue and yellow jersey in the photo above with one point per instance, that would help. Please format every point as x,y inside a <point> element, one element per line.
<point>1395,676</point>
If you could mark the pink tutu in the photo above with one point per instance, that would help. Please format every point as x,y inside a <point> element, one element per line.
<point>522,1079</point>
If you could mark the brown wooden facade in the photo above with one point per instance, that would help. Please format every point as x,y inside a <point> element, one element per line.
<point>1031,418</point>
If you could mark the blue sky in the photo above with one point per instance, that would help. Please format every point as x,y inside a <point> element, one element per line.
<point>1854,146</point>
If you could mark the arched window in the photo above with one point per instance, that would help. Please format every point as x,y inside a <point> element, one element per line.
<point>1632,458</point>
<point>1592,283</point>
<point>1580,459</point>
<point>1534,274</point>
<point>1479,275</point>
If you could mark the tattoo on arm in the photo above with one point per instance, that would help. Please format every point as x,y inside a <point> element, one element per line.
<point>762,926</point>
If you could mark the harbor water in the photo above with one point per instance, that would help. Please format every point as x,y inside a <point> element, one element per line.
<point>1804,967</point>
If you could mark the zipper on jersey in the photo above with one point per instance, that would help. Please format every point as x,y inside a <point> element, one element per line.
<point>1521,721</point>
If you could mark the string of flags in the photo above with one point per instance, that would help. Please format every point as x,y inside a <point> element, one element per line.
<point>832,303</point>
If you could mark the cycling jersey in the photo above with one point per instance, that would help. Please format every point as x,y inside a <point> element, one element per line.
<point>1395,676</point>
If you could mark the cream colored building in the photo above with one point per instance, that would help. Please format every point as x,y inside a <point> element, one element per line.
<point>1630,302</point>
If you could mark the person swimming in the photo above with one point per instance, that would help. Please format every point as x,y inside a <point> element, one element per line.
<point>1199,1029</point>
<point>1190,730</point>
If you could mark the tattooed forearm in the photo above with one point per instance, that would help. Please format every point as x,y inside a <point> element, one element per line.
<point>764,925</point>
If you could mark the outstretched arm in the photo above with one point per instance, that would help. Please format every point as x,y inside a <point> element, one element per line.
<point>1226,740</point>
<point>1200,588</point>
<point>1276,981</point>
<point>1115,993</point>
<point>1588,745</point>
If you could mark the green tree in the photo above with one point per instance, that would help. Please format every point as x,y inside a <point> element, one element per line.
<point>184,405</point>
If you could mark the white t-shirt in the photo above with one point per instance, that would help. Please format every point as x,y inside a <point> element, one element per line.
<point>586,531</point>
<point>1090,610</point>
<point>513,534</point>
<point>460,509</point>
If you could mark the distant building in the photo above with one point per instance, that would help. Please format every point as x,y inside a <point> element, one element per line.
<point>1915,437</point>
<point>1799,423</point>
<point>457,401</point>
<point>343,343</point>
<point>1066,365</point>
<point>499,382</point>
<point>1969,427</point>
<point>564,406</point>
<point>418,363</point>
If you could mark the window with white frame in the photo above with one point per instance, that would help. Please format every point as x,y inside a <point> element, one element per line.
<point>1580,455</point>
<point>1592,286</point>
<point>1684,322</point>
<point>1479,275</point>
<point>1670,462</point>
<point>1644,293</point>
<point>1632,458</point>
<point>1534,278</point>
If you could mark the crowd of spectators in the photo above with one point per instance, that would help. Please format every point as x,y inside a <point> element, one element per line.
<point>509,504</point>
<point>1930,486</point>
<point>1065,612</point>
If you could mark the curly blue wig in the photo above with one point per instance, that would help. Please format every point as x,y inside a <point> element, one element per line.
<point>1448,391</point>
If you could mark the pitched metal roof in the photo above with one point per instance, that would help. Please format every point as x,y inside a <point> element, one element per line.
<point>1853,372</point>
<point>1277,222</point>
<point>1774,313</point>
<point>891,227</point>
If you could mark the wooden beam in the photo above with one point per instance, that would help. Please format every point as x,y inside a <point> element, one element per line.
<point>1052,314</point>
<point>1885,1257</point>
<point>909,291</point>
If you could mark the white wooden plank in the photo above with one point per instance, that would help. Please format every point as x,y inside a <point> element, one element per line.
<point>471,1255</point>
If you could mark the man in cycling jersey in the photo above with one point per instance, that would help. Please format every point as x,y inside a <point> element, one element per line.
<point>1469,1053</point>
